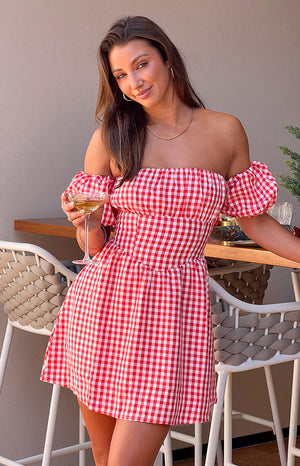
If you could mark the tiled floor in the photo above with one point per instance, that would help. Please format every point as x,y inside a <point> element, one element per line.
<point>260,455</point>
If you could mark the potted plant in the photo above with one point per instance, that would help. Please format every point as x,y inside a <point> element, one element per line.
<point>292,182</point>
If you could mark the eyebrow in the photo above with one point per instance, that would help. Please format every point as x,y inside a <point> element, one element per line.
<point>133,61</point>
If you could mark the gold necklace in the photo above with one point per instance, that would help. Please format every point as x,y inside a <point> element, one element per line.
<point>168,138</point>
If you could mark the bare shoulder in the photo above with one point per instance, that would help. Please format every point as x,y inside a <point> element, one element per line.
<point>231,139</point>
<point>224,122</point>
<point>97,160</point>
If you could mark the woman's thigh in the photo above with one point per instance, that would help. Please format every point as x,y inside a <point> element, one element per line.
<point>136,443</point>
<point>100,428</point>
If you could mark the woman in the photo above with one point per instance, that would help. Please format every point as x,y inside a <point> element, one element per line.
<point>133,339</point>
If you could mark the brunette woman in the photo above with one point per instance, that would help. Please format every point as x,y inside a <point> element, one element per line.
<point>133,339</point>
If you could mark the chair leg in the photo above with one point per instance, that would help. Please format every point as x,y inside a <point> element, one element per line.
<point>159,460</point>
<point>167,450</point>
<point>51,425</point>
<point>198,444</point>
<point>292,450</point>
<point>5,350</point>
<point>81,439</point>
<point>220,456</point>
<point>54,398</point>
<point>275,414</point>
<point>216,420</point>
<point>46,457</point>
<point>228,422</point>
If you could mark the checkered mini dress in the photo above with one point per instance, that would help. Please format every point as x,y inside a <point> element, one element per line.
<point>133,339</point>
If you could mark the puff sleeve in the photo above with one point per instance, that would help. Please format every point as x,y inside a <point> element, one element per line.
<point>251,192</point>
<point>88,184</point>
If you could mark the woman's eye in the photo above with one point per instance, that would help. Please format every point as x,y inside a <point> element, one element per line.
<point>120,76</point>
<point>142,64</point>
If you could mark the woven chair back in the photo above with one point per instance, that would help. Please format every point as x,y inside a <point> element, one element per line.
<point>246,281</point>
<point>244,332</point>
<point>32,290</point>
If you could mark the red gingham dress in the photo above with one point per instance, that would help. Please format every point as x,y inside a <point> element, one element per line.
<point>133,339</point>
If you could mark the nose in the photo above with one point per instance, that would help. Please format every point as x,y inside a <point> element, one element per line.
<point>135,81</point>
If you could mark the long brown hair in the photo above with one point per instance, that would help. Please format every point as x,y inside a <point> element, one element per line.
<point>124,124</point>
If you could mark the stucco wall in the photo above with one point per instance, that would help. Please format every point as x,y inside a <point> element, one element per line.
<point>243,58</point>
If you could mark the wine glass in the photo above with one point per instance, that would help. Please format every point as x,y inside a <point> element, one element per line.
<point>89,203</point>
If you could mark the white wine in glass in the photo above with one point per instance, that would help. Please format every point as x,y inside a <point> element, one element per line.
<point>89,204</point>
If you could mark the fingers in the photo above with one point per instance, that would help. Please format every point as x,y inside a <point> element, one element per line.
<point>66,205</point>
<point>106,199</point>
<point>64,196</point>
<point>75,216</point>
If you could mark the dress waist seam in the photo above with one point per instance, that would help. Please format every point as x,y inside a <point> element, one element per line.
<point>167,217</point>
<point>200,259</point>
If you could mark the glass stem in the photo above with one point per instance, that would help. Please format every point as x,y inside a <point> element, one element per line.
<point>86,227</point>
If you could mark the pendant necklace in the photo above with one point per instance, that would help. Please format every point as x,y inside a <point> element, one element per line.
<point>169,138</point>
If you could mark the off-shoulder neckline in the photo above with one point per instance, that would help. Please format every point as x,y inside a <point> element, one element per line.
<point>181,169</point>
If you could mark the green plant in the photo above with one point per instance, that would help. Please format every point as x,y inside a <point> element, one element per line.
<point>292,182</point>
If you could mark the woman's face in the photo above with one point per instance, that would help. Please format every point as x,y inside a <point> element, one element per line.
<point>141,73</point>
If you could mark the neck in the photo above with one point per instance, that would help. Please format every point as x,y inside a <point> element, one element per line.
<point>169,117</point>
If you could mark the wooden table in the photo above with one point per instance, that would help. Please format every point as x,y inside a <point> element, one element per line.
<point>248,254</point>
<point>59,226</point>
<point>56,226</point>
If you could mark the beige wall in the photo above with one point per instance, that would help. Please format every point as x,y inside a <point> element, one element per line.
<point>243,58</point>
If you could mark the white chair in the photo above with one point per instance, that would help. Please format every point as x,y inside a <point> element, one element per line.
<point>293,451</point>
<point>247,337</point>
<point>33,285</point>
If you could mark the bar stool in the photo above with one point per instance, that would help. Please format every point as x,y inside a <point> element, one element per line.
<point>293,451</point>
<point>247,337</point>
<point>33,285</point>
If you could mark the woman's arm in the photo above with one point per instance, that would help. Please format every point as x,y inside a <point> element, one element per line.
<point>269,234</point>
<point>97,160</point>
<point>96,163</point>
<point>262,229</point>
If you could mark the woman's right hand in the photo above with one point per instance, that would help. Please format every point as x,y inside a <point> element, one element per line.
<point>75,216</point>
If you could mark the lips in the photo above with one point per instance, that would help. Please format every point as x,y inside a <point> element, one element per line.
<point>144,93</point>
